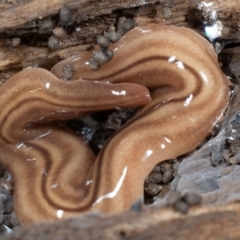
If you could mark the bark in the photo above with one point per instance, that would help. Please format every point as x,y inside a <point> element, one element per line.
<point>206,222</point>
<point>33,22</point>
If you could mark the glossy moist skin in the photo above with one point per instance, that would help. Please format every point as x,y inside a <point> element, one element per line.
<point>55,173</point>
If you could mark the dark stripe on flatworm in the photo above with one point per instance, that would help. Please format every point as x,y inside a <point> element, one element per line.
<point>48,165</point>
<point>41,101</point>
<point>96,186</point>
<point>135,64</point>
<point>101,156</point>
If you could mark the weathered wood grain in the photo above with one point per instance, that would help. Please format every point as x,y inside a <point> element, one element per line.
<point>26,19</point>
<point>206,222</point>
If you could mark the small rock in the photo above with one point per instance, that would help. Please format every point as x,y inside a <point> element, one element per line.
<point>53,43</point>
<point>181,206</point>
<point>103,41</point>
<point>16,41</point>
<point>173,198</point>
<point>165,167</point>
<point>167,176</point>
<point>113,36</point>
<point>128,24</point>
<point>59,32</point>
<point>93,64</point>
<point>157,168</point>
<point>120,30</point>
<point>100,57</point>
<point>65,15</point>
<point>109,53</point>
<point>154,178</point>
<point>192,199</point>
<point>67,72</point>
<point>153,189</point>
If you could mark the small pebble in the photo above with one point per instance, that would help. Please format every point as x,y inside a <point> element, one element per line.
<point>103,41</point>
<point>59,32</point>
<point>113,36</point>
<point>120,29</point>
<point>65,15</point>
<point>100,57</point>
<point>16,41</point>
<point>94,66</point>
<point>13,42</point>
<point>182,203</point>
<point>67,72</point>
<point>120,22</point>
<point>157,168</point>
<point>128,24</point>
<point>109,53</point>
<point>192,199</point>
<point>154,178</point>
<point>173,198</point>
<point>153,189</point>
<point>181,206</point>
<point>167,176</point>
<point>53,43</point>
<point>165,166</point>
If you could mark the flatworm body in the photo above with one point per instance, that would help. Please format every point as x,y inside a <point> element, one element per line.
<point>55,173</point>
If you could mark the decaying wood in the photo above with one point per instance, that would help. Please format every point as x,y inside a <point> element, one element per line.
<point>24,11</point>
<point>89,18</point>
<point>206,222</point>
<point>25,19</point>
